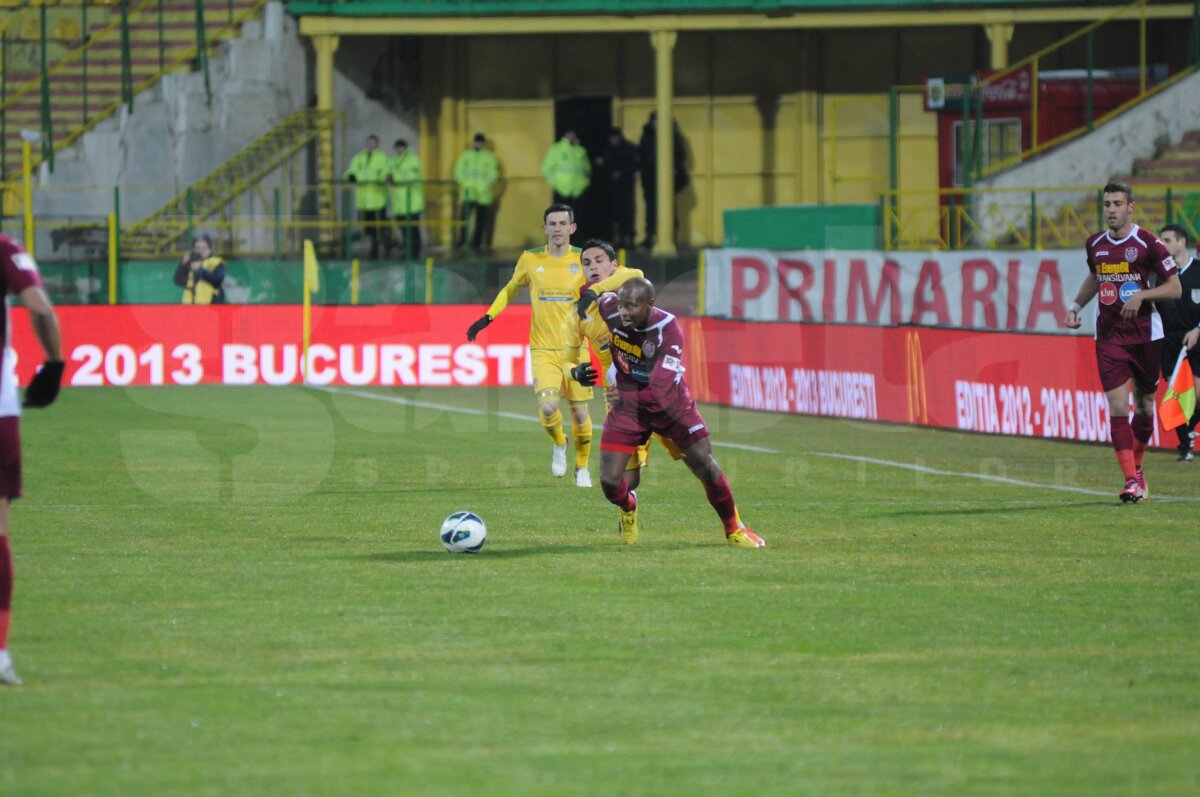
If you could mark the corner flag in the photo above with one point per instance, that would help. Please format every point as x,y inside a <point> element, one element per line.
<point>1180,401</point>
<point>312,282</point>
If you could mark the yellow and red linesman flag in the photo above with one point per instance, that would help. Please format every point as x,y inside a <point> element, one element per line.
<point>1180,400</point>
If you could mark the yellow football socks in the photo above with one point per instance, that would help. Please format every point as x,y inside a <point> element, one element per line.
<point>582,432</point>
<point>553,427</point>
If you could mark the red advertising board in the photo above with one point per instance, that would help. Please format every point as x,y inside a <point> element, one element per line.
<point>993,382</point>
<point>261,344</point>
<point>999,383</point>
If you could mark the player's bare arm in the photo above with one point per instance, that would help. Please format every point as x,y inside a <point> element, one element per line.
<point>44,386</point>
<point>1087,291</point>
<point>1171,289</point>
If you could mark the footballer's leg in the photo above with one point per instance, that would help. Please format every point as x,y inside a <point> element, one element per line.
<point>547,385</point>
<point>616,490</point>
<point>551,418</point>
<point>8,675</point>
<point>699,459</point>
<point>1115,369</point>
<point>581,431</point>
<point>1142,428</point>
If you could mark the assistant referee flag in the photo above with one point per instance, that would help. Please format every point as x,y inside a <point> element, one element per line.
<point>1180,399</point>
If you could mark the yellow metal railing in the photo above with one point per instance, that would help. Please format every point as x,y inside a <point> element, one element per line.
<point>975,100</point>
<point>264,221</point>
<point>1024,218</point>
<point>147,10</point>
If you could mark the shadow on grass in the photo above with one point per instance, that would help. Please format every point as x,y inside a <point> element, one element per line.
<point>491,553</point>
<point>999,510</point>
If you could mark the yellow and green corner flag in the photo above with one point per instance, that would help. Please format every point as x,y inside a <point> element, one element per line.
<point>1180,399</point>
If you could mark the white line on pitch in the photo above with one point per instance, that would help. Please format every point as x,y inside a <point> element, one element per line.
<point>981,476</point>
<point>468,411</point>
<point>887,463</point>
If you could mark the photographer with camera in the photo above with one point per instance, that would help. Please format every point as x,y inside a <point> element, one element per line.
<point>201,274</point>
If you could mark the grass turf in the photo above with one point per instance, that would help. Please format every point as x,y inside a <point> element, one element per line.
<point>240,591</point>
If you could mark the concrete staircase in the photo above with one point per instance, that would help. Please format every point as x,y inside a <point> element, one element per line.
<point>159,43</point>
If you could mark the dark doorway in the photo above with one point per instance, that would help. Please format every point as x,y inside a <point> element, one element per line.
<point>591,119</point>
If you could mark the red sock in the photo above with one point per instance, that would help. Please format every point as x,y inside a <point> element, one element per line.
<point>1142,428</point>
<point>6,590</point>
<point>721,498</point>
<point>1122,442</point>
<point>620,496</point>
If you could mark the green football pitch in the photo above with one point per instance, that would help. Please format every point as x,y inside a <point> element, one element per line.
<point>240,591</point>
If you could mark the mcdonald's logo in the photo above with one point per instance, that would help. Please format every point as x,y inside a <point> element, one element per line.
<point>914,372</point>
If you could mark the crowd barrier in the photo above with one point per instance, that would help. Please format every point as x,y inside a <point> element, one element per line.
<point>1031,385</point>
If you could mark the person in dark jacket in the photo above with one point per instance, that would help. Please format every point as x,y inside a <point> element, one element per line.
<point>648,155</point>
<point>616,168</point>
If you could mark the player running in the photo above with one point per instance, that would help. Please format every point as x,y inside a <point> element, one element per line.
<point>647,346</point>
<point>599,263</point>
<point>554,276</point>
<point>1129,269</point>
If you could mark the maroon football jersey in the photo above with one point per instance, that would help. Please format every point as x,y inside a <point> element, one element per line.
<point>648,361</point>
<point>18,271</point>
<point>1136,262</point>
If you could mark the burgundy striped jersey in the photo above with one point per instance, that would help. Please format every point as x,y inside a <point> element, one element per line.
<point>1123,267</point>
<point>648,361</point>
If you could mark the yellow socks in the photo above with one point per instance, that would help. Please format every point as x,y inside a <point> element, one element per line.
<point>582,432</point>
<point>553,427</point>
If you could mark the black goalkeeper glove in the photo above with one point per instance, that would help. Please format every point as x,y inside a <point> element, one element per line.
<point>43,388</point>
<point>584,374</point>
<point>478,327</point>
<point>586,299</point>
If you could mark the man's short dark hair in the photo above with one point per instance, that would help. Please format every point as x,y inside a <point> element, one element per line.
<point>401,143</point>
<point>480,137</point>
<point>373,137</point>
<point>1180,232</point>
<point>1120,188</point>
<point>605,246</point>
<point>559,207</point>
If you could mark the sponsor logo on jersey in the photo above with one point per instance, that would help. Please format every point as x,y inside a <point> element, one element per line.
<point>672,364</point>
<point>1108,293</point>
<point>648,348</point>
<point>1169,263</point>
<point>696,428</point>
<point>1114,268</point>
<point>540,269</point>
<point>573,268</point>
<point>1102,254</point>
<point>627,347</point>
<point>1128,290</point>
<point>1195,296</point>
<point>1131,253</point>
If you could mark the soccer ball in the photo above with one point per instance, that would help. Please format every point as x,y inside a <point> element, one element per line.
<point>463,532</point>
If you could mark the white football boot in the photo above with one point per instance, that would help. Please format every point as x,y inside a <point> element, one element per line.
<point>558,462</point>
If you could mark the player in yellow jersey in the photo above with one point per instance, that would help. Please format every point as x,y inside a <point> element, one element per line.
<point>554,276</point>
<point>599,261</point>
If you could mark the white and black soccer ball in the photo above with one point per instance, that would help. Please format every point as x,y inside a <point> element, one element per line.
<point>463,532</point>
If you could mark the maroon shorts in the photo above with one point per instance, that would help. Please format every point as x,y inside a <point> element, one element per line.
<point>1118,363</point>
<point>625,429</point>
<point>10,458</point>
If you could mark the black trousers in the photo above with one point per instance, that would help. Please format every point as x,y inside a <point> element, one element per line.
<point>376,229</point>
<point>478,218</point>
<point>408,234</point>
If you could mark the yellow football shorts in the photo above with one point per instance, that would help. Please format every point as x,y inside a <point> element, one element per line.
<point>548,375</point>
